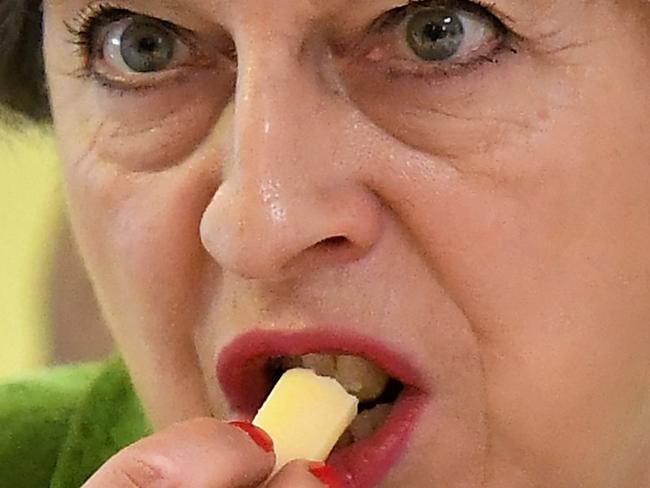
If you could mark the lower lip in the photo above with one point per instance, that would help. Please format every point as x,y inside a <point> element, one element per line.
<point>366,463</point>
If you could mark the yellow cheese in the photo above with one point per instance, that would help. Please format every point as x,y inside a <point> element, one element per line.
<point>305,414</point>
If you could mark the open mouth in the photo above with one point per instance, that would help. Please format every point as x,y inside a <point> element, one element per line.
<point>373,387</point>
<point>386,385</point>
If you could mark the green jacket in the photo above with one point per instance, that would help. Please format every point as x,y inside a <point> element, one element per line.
<point>58,428</point>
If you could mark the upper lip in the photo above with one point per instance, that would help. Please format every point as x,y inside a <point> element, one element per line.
<point>245,378</point>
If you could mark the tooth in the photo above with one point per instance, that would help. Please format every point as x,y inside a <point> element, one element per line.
<point>367,422</point>
<point>322,364</point>
<point>290,362</point>
<point>360,377</point>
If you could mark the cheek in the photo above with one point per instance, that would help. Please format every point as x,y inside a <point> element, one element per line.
<point>461,118</point>
<point>139,237</point>
<point>140,170</point>
<point>138,234</point>
<point>143,132</point>
<point>542,242</point>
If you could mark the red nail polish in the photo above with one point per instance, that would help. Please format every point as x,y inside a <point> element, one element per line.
<point>326,474</point>
<point>260,437</point>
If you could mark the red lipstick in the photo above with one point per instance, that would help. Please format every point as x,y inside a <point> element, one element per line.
<point>244,373</point>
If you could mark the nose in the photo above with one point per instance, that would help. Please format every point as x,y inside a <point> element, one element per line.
<point>290,196</point>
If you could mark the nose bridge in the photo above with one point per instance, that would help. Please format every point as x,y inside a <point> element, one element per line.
<point>280,100</point>
<point>282,143</point>
<point>284,192</point>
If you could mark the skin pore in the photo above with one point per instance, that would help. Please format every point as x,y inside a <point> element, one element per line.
<point>488,221</point>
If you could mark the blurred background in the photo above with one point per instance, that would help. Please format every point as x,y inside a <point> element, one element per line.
<point>48,313</point>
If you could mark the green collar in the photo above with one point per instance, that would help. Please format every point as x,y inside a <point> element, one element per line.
<point>109,418</point>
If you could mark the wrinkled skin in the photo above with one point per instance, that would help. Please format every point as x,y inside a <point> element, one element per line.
<point>492,225</point>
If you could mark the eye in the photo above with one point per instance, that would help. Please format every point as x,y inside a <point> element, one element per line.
<point>447,34</point>
<point>140,45</point>
<point>124,50</point>
<point>436,34</point>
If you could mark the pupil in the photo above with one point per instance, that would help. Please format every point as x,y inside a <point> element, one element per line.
<point>148,44</point>
<point>146,47</point>
<point>435,34</point>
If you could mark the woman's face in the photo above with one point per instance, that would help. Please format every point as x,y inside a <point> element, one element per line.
<point>465,191</point>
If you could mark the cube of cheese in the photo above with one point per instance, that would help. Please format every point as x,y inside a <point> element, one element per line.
<point>305,414</point>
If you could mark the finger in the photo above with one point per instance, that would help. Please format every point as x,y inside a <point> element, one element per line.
<point>198,453</point>
<point>305,474</point>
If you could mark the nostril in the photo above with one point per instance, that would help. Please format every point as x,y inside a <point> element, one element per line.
<point>341,248</point>
<point>335,241</point>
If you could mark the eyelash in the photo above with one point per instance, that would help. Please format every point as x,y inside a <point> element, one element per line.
<point>501,23</point>
<point>101,12</point>
<point>82,29</point>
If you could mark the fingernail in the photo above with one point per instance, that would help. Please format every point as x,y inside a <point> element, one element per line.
<point>260,437</point>
<point>326,474</point>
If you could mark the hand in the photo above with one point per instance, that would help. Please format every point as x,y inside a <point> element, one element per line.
<point>206,453</point>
